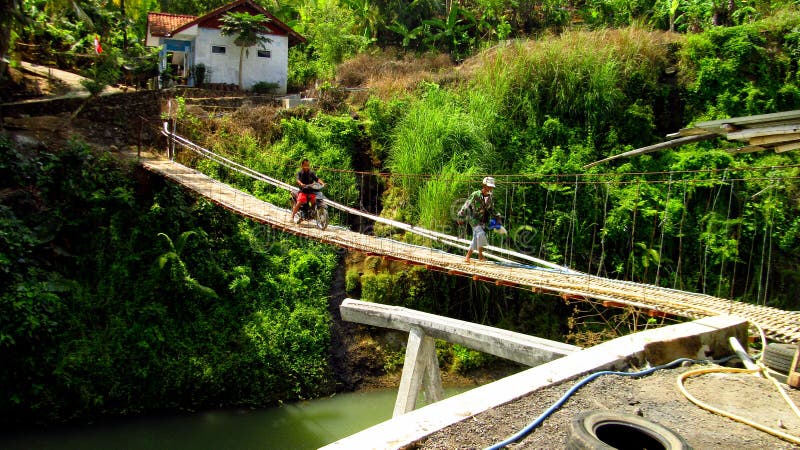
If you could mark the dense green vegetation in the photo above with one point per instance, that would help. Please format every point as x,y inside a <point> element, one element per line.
<point>117,298</point>
<point>541,110</point>
<point>171,302</point>
<point>63,31</point>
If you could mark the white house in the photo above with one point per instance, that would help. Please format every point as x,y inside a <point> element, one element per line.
<point>187,41</point>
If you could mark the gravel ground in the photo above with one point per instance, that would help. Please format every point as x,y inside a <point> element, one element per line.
<point>655,397</point>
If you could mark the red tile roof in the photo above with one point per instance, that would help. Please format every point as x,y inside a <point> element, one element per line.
<point>163,23</point>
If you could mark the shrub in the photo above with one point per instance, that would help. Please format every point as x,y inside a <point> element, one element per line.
<point>199,71</point>
<point>466,359</point>
<point>352,282</point>
<point>265,87</point>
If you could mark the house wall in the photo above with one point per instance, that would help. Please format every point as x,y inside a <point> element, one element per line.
<point>224,68</point>
<point>151,41</point>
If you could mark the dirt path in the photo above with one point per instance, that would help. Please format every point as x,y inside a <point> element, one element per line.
<point>65,84</point>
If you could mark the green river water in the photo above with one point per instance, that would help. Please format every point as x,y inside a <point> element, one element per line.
<point>303,425</point>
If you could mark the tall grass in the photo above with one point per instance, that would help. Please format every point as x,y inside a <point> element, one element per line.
<point>436,133</point>
<point>582,81</point>
<point>439,197</point>
<point>583,78</point>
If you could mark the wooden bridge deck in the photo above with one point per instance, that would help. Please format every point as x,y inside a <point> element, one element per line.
<point>779,325</point>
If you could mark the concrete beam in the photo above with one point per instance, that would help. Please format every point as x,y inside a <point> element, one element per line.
<point>522,348</point>
<point>712,334</point>
<point>421,365</point>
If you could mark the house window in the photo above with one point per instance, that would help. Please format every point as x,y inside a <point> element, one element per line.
<point>218,49</point>
<point>264,54</point>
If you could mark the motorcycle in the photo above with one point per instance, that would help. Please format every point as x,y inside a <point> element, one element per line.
<point>317,212</point>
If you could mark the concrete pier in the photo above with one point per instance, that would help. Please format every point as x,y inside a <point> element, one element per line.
<point>701,338</point>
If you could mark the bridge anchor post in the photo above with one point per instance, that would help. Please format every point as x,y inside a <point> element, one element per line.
<point>421,367</point>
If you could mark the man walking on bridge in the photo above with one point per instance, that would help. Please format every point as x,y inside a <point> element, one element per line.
<point>305,178</point>
<point>478,209</point>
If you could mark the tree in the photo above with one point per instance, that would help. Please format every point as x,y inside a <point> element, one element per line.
<point>59,7</point>
<point>333,34</point>
<point>249,30</point>
<point>123,13</point>
<point>10,13</point>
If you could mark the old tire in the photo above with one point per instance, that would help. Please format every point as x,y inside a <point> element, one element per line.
<point>778,357</point>
<point>607,430</point>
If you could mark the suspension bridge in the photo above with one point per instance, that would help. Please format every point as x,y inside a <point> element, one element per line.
<point>505,269</point>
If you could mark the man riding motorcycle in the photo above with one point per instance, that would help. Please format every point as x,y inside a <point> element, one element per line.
<point>305,178</point>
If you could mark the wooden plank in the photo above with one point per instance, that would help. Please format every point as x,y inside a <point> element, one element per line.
<point>750,133</point>
<point>522,348</point>
<point>787,147</point>
<point>742,353</point>
<point>407,430</point>
<point>774,139</point>
<point>783,116</point>
<point>610,304</point>
<point>432,378</point>
<point>687,132</point>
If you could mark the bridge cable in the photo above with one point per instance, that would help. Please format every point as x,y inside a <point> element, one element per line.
<point>602,231</point>
<point>663,226</point>
<point>544,221</point>
<point>680,239</point>
<point>477,177</point>
<point>570,244</point>
<point>761,266</point>
<point>631,257</point>
<point>709,230</point>
<point>771,221</point>
<point>724,253</point>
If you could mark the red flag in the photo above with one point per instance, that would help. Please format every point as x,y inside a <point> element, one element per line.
<point>97,47</point>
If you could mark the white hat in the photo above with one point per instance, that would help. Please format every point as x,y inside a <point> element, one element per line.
<point>488,181</point>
